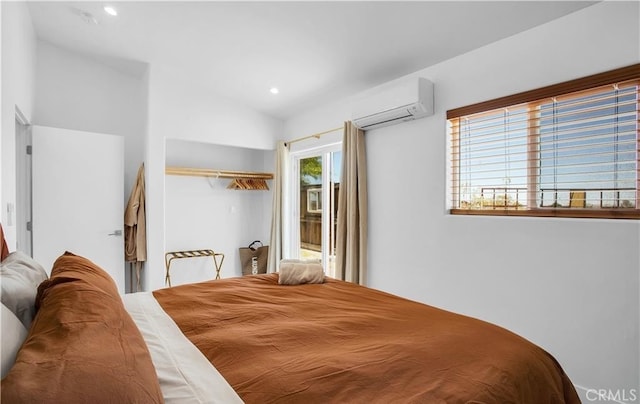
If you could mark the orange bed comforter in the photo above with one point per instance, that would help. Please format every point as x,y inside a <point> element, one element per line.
<point>340,342</point>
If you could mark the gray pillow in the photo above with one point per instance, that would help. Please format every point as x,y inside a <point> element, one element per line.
<point>20,276</point>
<point>13,335</point>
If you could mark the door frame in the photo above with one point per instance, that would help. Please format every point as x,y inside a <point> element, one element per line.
<point>24,178</point>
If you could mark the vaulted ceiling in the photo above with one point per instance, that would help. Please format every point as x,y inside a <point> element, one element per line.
<point>312,52</point>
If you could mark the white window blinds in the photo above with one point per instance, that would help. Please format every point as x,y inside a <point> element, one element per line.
<point>572,153</point>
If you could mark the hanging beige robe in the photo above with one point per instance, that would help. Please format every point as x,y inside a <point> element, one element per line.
<point>135,234</point>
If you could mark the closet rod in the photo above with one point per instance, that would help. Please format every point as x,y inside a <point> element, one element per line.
<point>207,172</point>
<point>315,135</point>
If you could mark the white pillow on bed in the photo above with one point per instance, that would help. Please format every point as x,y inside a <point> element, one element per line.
<point>300,261</point>
<point>20,276</point>
<point>298,273</point>
<point>13,335</point>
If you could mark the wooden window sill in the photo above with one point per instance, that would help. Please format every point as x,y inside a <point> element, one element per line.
<point>621,213</point>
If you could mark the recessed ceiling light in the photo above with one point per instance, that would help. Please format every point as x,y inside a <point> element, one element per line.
<point>86,16</point>
<point>274,90</point>
<point>110,10</point>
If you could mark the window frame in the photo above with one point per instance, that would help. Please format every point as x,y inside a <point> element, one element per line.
<point>318,200</point>
<point>531,99</point>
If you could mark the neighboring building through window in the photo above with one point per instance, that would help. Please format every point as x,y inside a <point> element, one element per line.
<point>314,200</point>
<point>564,150</point>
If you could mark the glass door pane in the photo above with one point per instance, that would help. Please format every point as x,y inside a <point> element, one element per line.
<point>317,185</point>
<point>311,202</point>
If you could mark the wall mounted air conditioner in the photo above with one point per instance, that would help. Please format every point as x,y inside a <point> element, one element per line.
<point>395,102</point>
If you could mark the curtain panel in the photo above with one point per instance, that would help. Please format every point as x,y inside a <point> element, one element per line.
<point>351,233</point>
<point>276,244</point>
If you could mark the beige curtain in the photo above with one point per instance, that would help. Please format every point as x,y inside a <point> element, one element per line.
<point>351,234</point>
<point>276,243</point>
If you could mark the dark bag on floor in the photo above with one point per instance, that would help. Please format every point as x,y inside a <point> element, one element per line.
<point>253,259</point>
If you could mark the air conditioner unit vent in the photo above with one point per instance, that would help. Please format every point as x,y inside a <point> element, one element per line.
<point>395,102</point>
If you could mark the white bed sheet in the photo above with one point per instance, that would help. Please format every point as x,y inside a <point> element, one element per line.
<point>185,374</point>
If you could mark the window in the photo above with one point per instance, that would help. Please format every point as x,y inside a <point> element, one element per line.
<point>314,200</point>
<point>565,150</point>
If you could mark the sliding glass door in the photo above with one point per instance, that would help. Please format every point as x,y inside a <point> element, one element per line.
<point>316,185</point>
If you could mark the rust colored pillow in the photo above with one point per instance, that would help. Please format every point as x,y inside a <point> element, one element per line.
<point>73,266</point>
<point>82,346</point>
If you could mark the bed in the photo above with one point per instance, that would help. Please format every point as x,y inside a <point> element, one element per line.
<point>253,340</point>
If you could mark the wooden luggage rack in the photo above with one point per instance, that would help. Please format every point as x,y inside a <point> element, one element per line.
<point>170,256</point>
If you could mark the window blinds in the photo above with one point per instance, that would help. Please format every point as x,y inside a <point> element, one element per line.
<point>567,151</point>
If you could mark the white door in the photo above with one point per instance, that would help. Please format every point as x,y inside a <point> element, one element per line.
<point>78,198</point>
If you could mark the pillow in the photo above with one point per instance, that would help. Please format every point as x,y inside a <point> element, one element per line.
<point>13,335</point>
<point>4,249</point>
<point>302,261</point>
<point>83,345</point>
<point>76,267</point>
<point>297,273</point>
<point>20,276</point>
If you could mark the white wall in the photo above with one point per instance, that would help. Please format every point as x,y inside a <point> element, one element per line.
<point>17,81</point>
<point>74,91</point>
<point>201,213</point>
<point>569,285</point>
<point>183,110</point>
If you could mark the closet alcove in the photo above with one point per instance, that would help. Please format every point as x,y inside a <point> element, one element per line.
<point>202,212</point>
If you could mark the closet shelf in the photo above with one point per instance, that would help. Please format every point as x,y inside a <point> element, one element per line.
<point>208,172</point>
<point>243,180</point>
